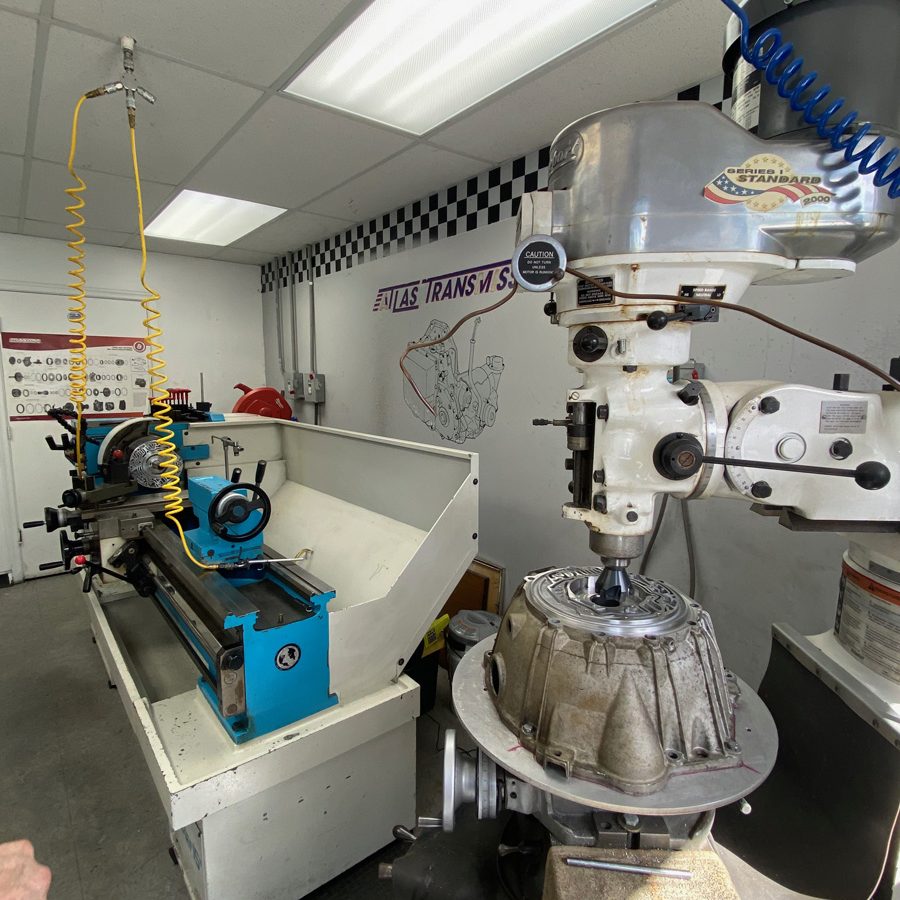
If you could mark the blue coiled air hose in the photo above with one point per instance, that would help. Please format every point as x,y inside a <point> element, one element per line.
<point>775,57</point>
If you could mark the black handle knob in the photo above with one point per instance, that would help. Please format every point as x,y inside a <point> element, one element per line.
<point>54,565</point>
<point>72,498</point>
<point>678,456</point>
<point>658,319</point>
<point>260,471</point>
<point>872,476</point>
<point>53,518</point>
<point>236,475</point>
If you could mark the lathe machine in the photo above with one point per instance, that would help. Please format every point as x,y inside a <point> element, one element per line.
<point>268,693</point>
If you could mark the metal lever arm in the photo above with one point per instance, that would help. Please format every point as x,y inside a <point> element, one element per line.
<point>871,476</point>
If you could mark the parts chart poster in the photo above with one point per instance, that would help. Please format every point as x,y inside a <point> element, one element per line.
<point>36,375</point>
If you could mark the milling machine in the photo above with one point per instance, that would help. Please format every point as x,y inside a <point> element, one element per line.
<point>603,708</point>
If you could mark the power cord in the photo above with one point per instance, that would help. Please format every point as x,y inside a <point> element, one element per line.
<point>422,345</point>
<point>747,311</point>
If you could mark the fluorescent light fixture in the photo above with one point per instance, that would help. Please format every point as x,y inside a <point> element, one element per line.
<point>414,65</point>
<point>209,219</point>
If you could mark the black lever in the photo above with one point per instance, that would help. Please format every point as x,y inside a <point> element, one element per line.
<point>871,476</point>
<point>658,319</point>
<point>64,445</point>
<point>260,471</point>
<point>54,565</point>
<point>236,475</point>
<point>54,518</point>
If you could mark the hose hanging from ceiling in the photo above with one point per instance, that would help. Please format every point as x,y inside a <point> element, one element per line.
<point>78,296</point>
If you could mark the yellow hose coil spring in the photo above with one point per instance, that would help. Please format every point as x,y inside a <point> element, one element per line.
<point>77,309</point>
<point>159,395</point>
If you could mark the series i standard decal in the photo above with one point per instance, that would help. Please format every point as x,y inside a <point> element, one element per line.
<point>764,183</point>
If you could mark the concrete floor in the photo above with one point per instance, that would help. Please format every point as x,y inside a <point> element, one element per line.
<point>74,782</point>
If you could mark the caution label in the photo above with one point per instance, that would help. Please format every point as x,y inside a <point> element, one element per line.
<point>867,622</point>
<point>591,295</point>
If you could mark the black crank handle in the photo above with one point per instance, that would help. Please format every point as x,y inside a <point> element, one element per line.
<point>871,476</point>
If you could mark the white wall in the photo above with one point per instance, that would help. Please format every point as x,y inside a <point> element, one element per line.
<point>212,316</point>
<point>752,572</point>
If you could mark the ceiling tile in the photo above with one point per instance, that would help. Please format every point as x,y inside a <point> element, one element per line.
<point>9,224</point>
<point>10,184</point>
<point>192,113</point>
<point>289,152</point>
<point>248,257</point>
<point>110,199</point>
<point>254,41</point>
<point>16,65</point>
<point>410,175</point>
<point>675,47</point>
<point>292,231</point>
<point>179,248</point>
<point>58,232</point>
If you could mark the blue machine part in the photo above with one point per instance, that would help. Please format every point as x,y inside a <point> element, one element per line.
<point>286,674</point>
<point>285,663</point>
<point>205,544</point>
<point>98,429</point>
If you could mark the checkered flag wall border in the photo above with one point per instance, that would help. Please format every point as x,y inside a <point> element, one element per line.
<point>482,200</point>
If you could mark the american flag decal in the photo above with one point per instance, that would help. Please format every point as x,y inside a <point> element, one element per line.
<point>764,183</point>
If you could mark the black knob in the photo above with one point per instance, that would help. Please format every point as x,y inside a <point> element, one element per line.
<point>872,476</point>
<point>678,456</point>
<point>570,464</point>
<point>236,475</point>
<point>43,567</point>
<point>841,449</point>
<point>690,393</point>
<point>841,382</point>
<point>657,320</point>
<point>590,343</point>
<point>769,405</point>
<point>72,498</point>
<point>761,490</point>
<point>550,308</point>
<point>260,471</point>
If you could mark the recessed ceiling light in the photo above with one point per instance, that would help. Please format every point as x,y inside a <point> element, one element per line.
<point>209,218</point>
<point>416,65</point>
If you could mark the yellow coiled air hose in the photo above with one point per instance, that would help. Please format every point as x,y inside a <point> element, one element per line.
<point>78,307</point>
<point>159,395</point>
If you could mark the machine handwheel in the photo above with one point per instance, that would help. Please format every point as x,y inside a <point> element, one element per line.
<point>230,508</point>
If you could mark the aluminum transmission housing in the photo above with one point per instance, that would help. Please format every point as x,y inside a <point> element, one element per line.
<point>626,694</point>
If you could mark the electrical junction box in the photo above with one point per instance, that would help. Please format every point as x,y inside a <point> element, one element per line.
<point>313,388</point>
<point>294,386</point>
